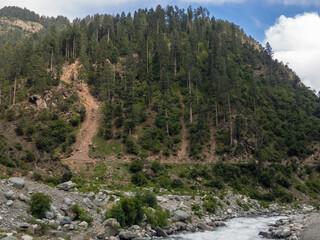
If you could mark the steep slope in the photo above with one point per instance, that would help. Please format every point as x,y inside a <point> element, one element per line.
<point>80,158</point>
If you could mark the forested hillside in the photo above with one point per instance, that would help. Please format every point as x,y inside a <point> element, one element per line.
<point>176,84</point>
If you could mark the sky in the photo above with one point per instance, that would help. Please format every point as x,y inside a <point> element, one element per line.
<point>292,27</point>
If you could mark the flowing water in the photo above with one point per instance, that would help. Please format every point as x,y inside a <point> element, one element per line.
<point>236,229</point>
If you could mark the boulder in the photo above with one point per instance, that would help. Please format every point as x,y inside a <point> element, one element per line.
<point>83,224</point>
<point>9,238</point>
<point>180,215</point>
<point>265,235</point>
<point>204,227</point>
<point>160,232</point>
<point>23,198</point>
<point>24,226</point>
<point>88,202</point>
<point>50,215</point>
<point>126,235</point>
<point>9,203</point>
<point>114,222</point>
<point>105,230</point>
<point>64,220</point>
<point>66,186</point>
<point>17,182</point>
<point>10,195</point>
<point>27,237</point>
<point>67,201</point>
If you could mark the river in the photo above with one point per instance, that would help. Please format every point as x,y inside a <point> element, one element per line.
<point>236,229</point>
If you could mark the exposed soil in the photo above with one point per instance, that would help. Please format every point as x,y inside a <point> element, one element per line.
<point>80,158</point>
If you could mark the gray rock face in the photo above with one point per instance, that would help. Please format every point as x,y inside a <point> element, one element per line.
<point>105,230</point>
<point>68,201</point>
<point>24,226</point>
<point>88,202</point>
<point>64,220</point>
<point>17,182</point>
<point>23,198</point>
<point>126,235</point>
<point>50,215</point>
<point>9,203</point>
<point>204,226</point>
<point>9,238</point>
<point>160,232</point>
<point>180,215</point>
<point>66,186</point>
<point>10,195</point>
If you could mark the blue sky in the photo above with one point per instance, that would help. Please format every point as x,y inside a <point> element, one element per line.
<point>291,26</point>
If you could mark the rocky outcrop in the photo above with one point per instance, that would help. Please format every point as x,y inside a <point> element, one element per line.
<point>17,182</point>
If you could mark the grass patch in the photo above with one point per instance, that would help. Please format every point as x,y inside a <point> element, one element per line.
<point>104,148</point>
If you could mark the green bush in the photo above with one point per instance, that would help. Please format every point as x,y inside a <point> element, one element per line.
<point>155,166</point>
<point>39,204</point>
<point>81,214</point>
<point>127,211</point>
<point>7,161</point>
<point>37,176</point>
<point>177,184</point>
<point>53,181</point>
<point>136,166</point>
<point>149,199</point>
<point>139,179</point>
<point>157,218</point>
<point>131,145</point>
<point>210,204</point>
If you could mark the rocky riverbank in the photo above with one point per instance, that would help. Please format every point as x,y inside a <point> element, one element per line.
<point>186,213</point>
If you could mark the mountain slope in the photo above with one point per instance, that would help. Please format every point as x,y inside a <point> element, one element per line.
<point>176,86</point>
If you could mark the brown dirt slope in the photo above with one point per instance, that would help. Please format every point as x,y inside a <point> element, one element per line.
<point>80,158</point>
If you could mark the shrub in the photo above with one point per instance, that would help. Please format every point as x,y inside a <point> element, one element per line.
<point>157,218</point>
<point>210,204</point>
<point>136,166</point>
<point>82,214</point>
<point>19,130</point>
<point>177,183</point>
<point>7,162</point>
<point>30,157</point>
<point>66,176</point>
<point>149,199</point>
<point>53,181</point>
<point>127,211</point>
<point>39,204</point>
<point>37,176</point>
<point>155,166</point>
<point>131,145</point>
<point>139,179</point>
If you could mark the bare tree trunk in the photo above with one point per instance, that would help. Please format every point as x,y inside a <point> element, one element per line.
<point>157,26</point>
<point>167,123</point>
<point>51,62</point>
<point>197,95</point>
<point>147,57</point>
<point>175,65</point>
<point>14,91</point>
<point>230,121</point>
<point>190,93</point>
<point>74,47</point>
<point>10,96</point>
<point>108,36</point>
<point>217,120</point>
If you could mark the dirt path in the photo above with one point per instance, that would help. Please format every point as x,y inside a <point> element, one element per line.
<point>80,159</point>
<point>182,154</point>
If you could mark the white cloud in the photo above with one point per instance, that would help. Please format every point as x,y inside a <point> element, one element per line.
<point>214,2</point>
<point>297,41</point>
<point>79,8</point>
<point>296,2</point>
